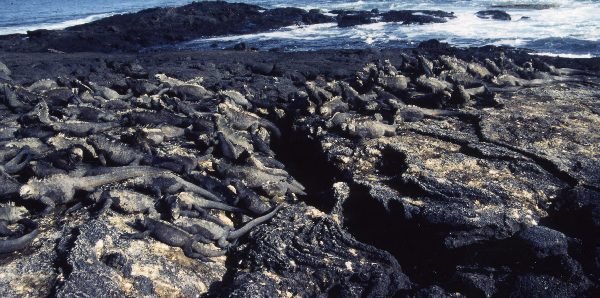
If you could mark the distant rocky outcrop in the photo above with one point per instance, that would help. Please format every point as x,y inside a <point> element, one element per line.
<point>158,26</point>
<point>347,18</point>
<point>494,15</point>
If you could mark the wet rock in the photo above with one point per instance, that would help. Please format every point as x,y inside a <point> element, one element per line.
<point>349,20</point>
<point>433,291</point>
<point>407,17</point>
<point>577,163</point>
<point>295,15</point>
<point>87,274</point>
<point>494,15</point>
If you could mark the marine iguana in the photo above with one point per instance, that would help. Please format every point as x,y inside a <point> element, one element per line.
<point>228,149</point>
<point>189,201</point>
<point>112,152</point>
<point>169,183</point>
<point>10,214</point>
<point>232,142</point>
<point>248,199</point>
<point>19,161</point>
<point>243,120</point>
<point>81,128</point>
<point>20,243</point>
<point>67,159</point>
<point>126,201</point>
<point>9,186</point>
<point>61,188</point>
<point>172,235</point>
<point>273,183</point>
<point>224,235</point>
<point>69,127</point>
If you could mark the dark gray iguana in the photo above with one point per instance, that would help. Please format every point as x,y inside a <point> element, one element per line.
<point>114,152</point>
<point>175,236</point>
<point>172,235</point>
<point>9,214</point>
<point>223,235</point>
<point>20,243</point>
<point>61,188</point>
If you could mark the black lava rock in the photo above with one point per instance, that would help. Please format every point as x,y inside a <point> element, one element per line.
<point>494,15</point>
<point>349,20</point>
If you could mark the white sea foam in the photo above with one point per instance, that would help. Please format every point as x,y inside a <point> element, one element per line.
<point>52,26</point>
<point>292,32</point>
<point>561,26</point>
<point>563,55</point>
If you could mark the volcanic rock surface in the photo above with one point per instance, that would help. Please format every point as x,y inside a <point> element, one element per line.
<point>426,172</point>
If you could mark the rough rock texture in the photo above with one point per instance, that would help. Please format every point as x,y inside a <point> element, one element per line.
<point>306,252</point>
<point>477,190</point>
<point>431,172</point>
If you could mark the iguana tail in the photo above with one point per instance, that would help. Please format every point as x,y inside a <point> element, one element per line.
<point>11,245</point>
<point>203,203</point>
<point>251,224</point>
<point>89,183</point>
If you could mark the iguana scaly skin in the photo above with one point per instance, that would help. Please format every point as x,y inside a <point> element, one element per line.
<point>223,235</point>
<point>20,243</point>
<point>11,213</point>
<point>172,235</point>
<point>11,245</point>
<point>61,188</point>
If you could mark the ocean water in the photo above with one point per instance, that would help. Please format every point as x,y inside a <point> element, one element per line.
<point>547,27</point>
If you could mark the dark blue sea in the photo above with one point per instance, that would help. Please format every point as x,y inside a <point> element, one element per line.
<point>548,27</point>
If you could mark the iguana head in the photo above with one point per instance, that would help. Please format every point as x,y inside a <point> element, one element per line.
<point>27,191</point>
<point>56,187</point>
<point>32,190</point>
<point>14,212</point>
<point>18,212</point>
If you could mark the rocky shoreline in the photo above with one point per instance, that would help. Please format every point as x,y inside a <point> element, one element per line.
<point>425,172</point>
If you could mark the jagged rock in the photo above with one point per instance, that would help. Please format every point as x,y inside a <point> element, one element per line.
<point>88,276</point>
<point>308,253</point>
<point>545,285</point>
<point>457,190</point>
<point>543,242</point>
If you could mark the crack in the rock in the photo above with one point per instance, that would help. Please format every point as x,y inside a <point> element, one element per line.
<point>63,249</point>
<point>306,162</point>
